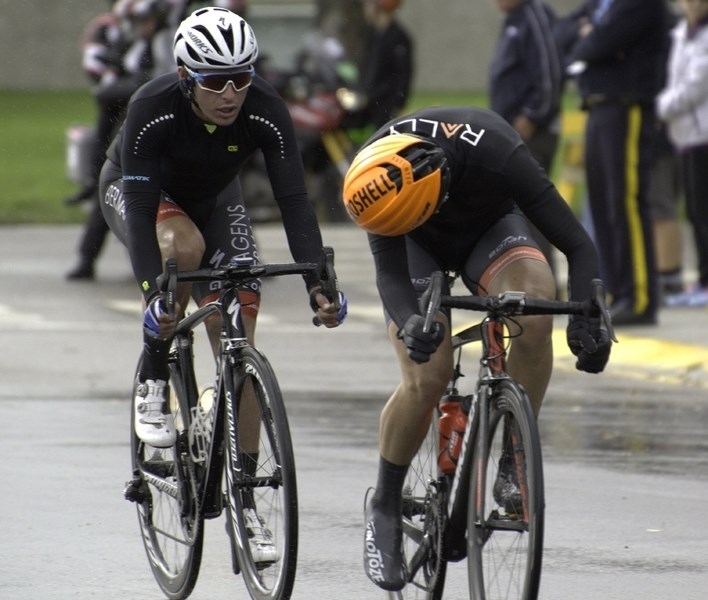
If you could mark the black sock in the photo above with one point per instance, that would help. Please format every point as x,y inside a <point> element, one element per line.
<point>389,485</point>
<point>155,357</point>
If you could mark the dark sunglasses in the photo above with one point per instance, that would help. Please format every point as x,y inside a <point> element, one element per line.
<point>218,82</point>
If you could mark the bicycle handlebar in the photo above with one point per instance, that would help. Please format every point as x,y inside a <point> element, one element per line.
<point>243,271</point>
<point>510,304</point>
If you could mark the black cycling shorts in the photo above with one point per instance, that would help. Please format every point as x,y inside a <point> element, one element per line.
<point>508,239</point>
<point>227,233</point>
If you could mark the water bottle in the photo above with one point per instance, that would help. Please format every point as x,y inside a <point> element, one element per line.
<point>454,411</point>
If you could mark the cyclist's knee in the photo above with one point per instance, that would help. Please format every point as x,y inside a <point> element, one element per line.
<point>534,277</point>
<point>179,238</point>
<point>537,332</point>
<point>425,386</point>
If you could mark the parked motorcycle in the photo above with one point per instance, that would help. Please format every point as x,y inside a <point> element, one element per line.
<point>320,96</point>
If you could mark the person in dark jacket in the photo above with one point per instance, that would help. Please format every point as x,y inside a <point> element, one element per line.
<point>148,55</point>
<point>526,82</point>
<point>387,71</point>
<point>617,53</point>
<point>525,78</point>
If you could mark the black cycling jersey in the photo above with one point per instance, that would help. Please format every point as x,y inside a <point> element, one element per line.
<point>492,172</point>
<point>164,149</point>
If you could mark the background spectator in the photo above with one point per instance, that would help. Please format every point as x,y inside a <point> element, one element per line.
<point>386,69</point>
<point>665,200</point>
<point>683,104</point>
<point>148,54</point>
<point>618,51</point>
<point>525,82</point>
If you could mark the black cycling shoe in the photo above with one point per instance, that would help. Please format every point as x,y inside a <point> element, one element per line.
<point>506,489</point>
<point>383,554</point>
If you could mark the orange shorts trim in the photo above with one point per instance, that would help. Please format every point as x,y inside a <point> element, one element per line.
<point>250,302</point>
<point>167,210</point>
<point>510,256</point>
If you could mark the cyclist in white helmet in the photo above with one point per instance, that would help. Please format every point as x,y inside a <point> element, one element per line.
<point>170,188</point>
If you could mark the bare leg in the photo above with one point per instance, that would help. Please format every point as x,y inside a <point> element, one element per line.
<point>406,417</point>
<point>531,354</point>
<point>180,239</point>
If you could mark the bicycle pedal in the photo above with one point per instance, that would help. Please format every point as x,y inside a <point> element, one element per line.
<point>134,491</point>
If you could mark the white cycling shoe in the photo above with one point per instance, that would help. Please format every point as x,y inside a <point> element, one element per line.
<point>152,425</point>
<point>260,539</point>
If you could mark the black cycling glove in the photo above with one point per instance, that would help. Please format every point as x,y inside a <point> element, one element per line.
<point>590,343</point>
<point>420,345</point>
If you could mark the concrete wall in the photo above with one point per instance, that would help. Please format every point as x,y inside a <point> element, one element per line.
<point>39,39</point>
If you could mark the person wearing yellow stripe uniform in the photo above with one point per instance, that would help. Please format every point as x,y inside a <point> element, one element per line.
<point>619,49</point>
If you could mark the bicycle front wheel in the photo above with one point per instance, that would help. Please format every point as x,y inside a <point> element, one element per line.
<point>424,522</point>
<point>267,486</point>
<point>165,491</point>
<point>505,525</point>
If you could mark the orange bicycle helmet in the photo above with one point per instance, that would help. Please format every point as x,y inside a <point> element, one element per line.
<point>395,184</point>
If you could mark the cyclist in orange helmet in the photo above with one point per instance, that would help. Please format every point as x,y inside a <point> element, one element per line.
<point>451,189</point>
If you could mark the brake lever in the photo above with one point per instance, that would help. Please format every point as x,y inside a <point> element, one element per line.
<point>431,299</point>
<point>598,299</point>
<point>328,280</point>
<point>167,284</point>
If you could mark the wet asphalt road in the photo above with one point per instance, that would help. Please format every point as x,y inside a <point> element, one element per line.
<point>625,453</point>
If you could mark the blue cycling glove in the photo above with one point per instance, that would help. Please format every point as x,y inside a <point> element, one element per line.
<point>343,303</point>
<point>151,317</point>
<point>343,306</point>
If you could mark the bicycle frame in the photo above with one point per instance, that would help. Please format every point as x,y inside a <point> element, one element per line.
<point>492,368</point>
<point>179,486</point>
<point>227,389</point>
<point>500,447</point>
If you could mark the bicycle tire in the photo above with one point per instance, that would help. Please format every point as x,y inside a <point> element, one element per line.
<point>170,519</point>
<point>274,485</point>
<point>505,545</point>
<point>424,518</point>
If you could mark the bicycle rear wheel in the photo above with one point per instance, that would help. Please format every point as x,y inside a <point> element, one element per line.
<point>424,522</point>
<point>272,487</point>
<point>505,538</point>
<point>165,488</point>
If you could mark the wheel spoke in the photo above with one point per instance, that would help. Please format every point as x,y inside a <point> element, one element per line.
<point>268,485</point>
<point>168,514</point>
<point>505,524</point>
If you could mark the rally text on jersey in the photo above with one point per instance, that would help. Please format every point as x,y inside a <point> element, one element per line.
<point>434,129</point>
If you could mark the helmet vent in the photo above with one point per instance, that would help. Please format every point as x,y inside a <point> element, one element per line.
<point>394,174</point>
<point>422,160</point>
<point>244,36</point>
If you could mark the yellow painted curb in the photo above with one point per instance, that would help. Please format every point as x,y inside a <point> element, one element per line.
<point>644,358</point>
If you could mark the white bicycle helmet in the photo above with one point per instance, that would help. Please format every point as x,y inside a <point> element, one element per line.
<point>215,39</point>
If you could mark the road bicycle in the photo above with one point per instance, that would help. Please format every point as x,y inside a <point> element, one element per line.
<point>450,517</point>
<point>205,473</point>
